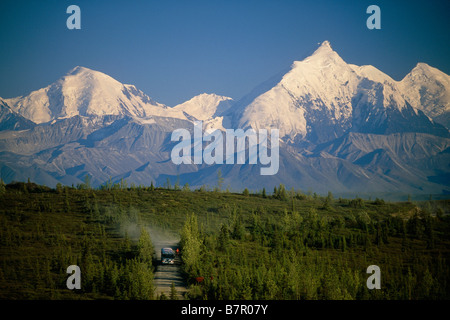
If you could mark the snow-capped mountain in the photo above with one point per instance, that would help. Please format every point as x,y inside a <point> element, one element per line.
<point>428,89</point>
<point>344,128</point>
<point>205,106</point>
<point>322,83</point>
<point>86,92</point>
<point>10,120</point>
<point>322,97</point>
<point>208,108</point>
<point>425,88</point>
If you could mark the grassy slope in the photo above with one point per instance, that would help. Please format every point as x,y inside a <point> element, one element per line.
<point>43,231</point>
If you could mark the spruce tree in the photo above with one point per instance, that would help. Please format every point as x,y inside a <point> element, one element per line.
<point>145,247</point>
<point>220,180</point>
<point>173,292</point>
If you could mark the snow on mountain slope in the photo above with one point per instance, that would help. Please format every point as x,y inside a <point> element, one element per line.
<point>10,120</point>
<point>360,130</point>
<point>322,97</point>
<point>391,91</point>
<point>89,93</point>
<point>372,73</point>
<point>205,106</point>
<point>322,82</point>
<point>428,89</point>
<point>424,88</point>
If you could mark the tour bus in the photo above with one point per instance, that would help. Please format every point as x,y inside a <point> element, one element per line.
<point>167,256</point>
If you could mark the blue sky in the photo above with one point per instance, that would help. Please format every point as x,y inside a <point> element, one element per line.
<point>173,50</point>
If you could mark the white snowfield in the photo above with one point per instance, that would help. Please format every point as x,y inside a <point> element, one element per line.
<point>205,106</point>
<point>322,80</point>
<point>428,89</point>
<point>87,92</point>
<point>424,88</point>
<point>322,87</point>
<point>325,82</point>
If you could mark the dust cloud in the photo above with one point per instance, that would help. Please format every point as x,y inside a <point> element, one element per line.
<point>161,238</point>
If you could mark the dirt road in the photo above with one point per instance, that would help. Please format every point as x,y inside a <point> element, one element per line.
<point>166,274</point>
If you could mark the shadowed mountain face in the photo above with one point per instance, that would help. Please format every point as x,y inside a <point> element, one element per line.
<point>343,128</point>
<point>10,120</point>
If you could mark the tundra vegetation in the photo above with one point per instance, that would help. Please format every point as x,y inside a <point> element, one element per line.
<point>250,245</point>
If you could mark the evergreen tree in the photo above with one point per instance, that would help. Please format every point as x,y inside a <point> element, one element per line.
<point>87,182</point>
<point>282,194</point>
<point>145,247</point>
<point>326,204</point>
<point>330,196</point>
<point>173,292</point>
<point>237,229</point>
<point>223,238</point>
<point>220,180</point>
<point>177,183</point>
<point>190,243</point>
<point>59,188</point>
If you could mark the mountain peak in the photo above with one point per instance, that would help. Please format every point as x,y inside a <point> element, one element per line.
<point>78,69</point>
<point>205,105</point>
<point>84,92</point>
<point>326,44</point>
<point>428,89</point>
<point>422,65</point>
<point>81,77</point>
<point>324,48</point>
<point>423,71</point>
<point>324,55</point>
<point>423,68</point>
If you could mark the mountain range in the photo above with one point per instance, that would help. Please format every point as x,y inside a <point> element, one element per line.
<point>343,128</point>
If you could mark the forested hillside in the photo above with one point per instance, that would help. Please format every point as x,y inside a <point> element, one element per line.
<point>286,245</point>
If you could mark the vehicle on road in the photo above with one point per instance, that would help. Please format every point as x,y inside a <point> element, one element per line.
<point>167,256</point>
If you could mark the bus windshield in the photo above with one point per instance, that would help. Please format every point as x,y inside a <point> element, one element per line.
<point>167,255</point>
